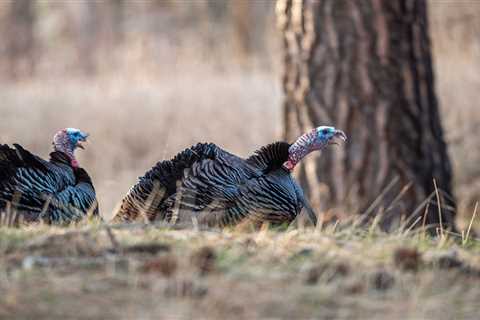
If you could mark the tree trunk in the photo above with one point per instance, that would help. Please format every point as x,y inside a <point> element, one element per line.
<point>364,66</point>
<point>20,39</point>
<point>249,21</point>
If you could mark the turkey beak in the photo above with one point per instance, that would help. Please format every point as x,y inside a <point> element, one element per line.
<point>338,135</point>
<point>81,143</point>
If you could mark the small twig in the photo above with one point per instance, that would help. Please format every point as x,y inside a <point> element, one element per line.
<point>425,219</point>
<point>412,225</point>
<point>471,222</point>
<point>439,207</point>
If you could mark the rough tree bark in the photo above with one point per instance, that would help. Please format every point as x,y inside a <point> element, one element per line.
<point>365,66</point>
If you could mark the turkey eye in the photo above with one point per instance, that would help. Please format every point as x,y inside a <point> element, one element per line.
<point>325,131</point>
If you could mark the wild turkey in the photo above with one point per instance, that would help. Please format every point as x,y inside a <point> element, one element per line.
<point>221,189</point>
<point>54,191</point>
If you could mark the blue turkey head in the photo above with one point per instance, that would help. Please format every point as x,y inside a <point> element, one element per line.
<point>313,140</point>
<point>327,135</point>
<point>67,140</point>
<point>76,137</point>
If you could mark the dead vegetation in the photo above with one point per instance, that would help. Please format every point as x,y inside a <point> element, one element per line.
<point>137,116</point>
<point>150,272</point>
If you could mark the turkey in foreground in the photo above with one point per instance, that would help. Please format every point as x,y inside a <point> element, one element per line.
<point>54,191</point>
<point>219,188</point>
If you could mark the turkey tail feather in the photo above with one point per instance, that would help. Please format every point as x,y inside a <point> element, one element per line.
<point>145,197</point>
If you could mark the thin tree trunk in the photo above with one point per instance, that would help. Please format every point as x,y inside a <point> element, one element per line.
<point>87,34</point>
<point>20,38</point>
<point>249,21</point>
<point>365,66</point>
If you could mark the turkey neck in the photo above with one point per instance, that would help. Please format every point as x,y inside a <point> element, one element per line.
<point>64,148</point>
<point>61,158</point>
<point>300,148</point>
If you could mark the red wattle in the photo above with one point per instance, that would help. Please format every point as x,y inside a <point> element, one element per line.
<point>74,163</point>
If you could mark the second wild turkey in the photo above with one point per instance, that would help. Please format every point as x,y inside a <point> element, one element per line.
<point>54,191</point>
<point>222,189</point>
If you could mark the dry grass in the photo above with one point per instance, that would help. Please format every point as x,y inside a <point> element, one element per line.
<point>139,115</point>
<point>151,272</point>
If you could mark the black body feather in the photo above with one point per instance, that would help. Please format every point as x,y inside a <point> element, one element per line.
<point>217,188</point>
<point>38,190</point>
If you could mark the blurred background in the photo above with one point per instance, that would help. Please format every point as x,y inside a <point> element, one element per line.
<point>148,78</point>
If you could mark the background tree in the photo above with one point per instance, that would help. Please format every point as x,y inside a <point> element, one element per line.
<point>19,38</point>
<point>365,66</point>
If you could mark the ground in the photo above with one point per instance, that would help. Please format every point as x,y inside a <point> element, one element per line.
<point>146,272</point>
<point>156,96</point>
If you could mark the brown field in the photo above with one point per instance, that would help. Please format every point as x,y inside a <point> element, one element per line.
<point>151,272</point>
<point>152,103</point>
